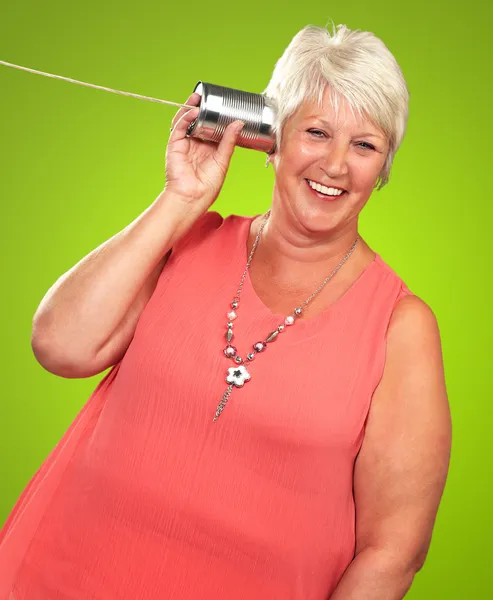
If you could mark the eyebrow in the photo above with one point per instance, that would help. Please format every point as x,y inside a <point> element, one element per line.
<point>366,134</point>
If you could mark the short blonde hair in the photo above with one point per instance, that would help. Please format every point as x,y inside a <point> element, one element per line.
<point>354,64</point>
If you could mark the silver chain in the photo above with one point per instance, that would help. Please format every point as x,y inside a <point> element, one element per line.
<point>317,291</point>
<point>237,376</point>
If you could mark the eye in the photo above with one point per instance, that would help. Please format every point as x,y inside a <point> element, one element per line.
<point>316,132</point>
<point>366,146</point>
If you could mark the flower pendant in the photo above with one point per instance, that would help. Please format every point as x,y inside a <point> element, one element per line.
<point>236,378</point>
<point>238,375</point>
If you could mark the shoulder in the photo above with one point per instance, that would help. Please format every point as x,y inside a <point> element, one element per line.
<point>201,229</point>
<point>409,312</point>
<point>209,228</point>
<point>412,389</point>
<point>412,321</point>
<point>413,341</point>
<point>413,316</point>
<point>388,274</point>
<point>212,220</point>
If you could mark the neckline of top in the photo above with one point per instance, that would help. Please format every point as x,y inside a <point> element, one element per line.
<point>301,322</point>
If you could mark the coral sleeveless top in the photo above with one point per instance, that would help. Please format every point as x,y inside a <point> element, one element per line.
<point>146,498</point>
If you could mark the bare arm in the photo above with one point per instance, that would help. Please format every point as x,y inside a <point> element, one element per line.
<point>401,470</point>
<point>87,319</point>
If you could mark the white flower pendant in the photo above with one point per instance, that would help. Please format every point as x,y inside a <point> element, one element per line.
<point>236,378</point>
<point>238,375</point>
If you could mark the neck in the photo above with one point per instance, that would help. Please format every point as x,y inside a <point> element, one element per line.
<point>290,248</point>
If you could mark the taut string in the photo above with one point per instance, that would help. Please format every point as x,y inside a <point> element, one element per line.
<point>97,87</point>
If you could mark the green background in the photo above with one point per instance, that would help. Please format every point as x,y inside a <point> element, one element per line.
<point>78,165</point>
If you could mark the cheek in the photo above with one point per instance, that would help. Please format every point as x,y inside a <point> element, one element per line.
<point>291,164</point>
<point>308,152</point>
<point>296,156</point>
<point>364,173</point>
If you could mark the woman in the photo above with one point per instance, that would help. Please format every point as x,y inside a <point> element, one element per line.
<point>275,424</point>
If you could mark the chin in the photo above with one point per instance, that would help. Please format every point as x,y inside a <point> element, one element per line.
<point>314,218</point>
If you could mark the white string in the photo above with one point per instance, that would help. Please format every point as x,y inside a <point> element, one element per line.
<point>97,87</point>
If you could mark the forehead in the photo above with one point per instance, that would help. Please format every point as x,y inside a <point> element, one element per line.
<point>342,118</point>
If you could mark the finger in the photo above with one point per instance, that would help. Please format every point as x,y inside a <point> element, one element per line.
<point>193,100</point>
<point>228,142</point>
<point>180,128</point>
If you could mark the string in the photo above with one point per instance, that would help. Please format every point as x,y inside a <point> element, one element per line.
<point>97,87</point>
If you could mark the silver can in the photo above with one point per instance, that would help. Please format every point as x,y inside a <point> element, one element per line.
<point>220,106</point>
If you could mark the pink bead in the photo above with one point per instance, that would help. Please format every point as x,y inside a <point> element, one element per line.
<point>232,315</point>
<point>289,320</point>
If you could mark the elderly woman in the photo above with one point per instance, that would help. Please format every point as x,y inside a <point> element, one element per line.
<point>275,423</point>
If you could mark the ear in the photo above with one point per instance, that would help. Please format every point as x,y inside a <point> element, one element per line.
<point>271,158</point>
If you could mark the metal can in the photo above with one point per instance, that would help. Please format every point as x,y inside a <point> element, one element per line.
<point>220,106</point>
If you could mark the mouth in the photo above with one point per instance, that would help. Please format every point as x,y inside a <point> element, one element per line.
<point>323,192</point>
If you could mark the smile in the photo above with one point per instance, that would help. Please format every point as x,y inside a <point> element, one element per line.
<point>322,190</point>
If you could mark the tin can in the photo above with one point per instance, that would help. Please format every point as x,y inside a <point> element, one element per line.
<point>220,106</point>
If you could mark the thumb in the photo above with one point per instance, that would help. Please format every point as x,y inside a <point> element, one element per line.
<point>227,144</point>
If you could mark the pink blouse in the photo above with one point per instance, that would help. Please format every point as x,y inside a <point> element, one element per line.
<point>145,497</point>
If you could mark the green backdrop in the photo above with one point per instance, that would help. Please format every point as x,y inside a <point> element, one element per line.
<point>77,165</point>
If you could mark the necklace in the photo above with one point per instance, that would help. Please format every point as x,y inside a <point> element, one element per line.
<point>238,375</point>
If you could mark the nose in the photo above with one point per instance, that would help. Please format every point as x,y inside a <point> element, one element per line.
<point>335,163</point>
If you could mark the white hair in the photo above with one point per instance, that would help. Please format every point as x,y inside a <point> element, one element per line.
<point>356,65</point>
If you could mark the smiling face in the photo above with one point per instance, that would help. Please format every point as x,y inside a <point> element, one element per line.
<point>348,154</point>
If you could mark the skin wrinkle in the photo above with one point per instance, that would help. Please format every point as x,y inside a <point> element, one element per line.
<point>330,126</point>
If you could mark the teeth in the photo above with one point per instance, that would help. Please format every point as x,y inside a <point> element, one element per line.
<point>328,191</point>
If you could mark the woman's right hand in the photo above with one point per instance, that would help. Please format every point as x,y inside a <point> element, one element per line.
<point>196,169</point>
